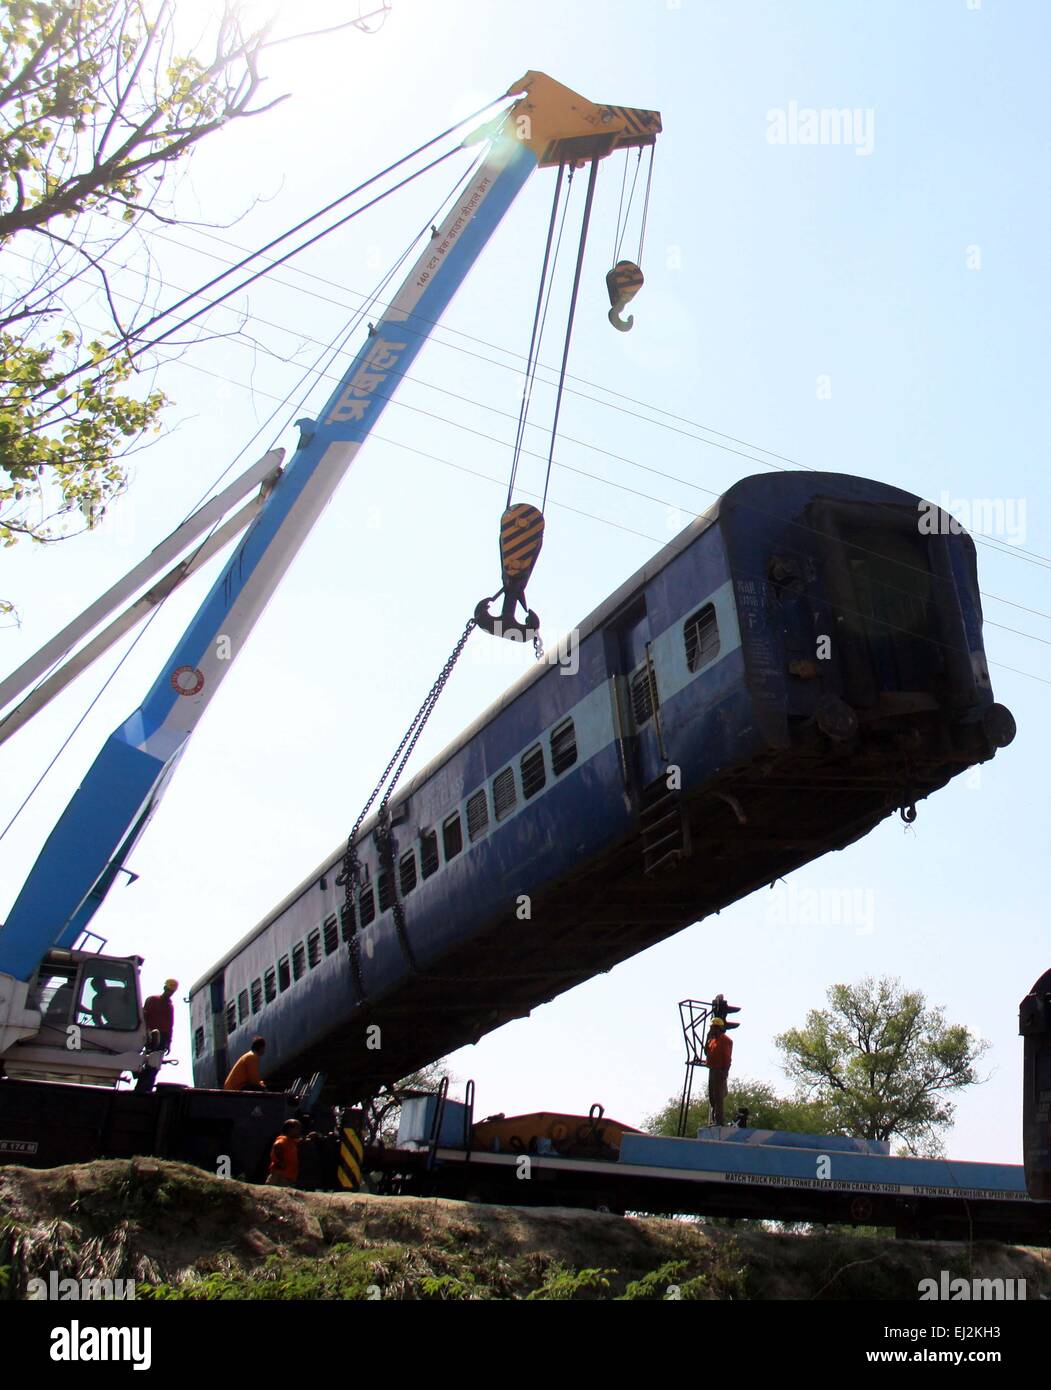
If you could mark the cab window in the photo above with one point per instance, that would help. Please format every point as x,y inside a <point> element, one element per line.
<point>54,995</point>
<point>108,998</point>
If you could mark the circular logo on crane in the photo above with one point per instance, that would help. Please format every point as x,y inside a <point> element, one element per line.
<point>187,680</point>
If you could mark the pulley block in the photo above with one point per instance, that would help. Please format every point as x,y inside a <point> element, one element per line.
<point>623,283</point>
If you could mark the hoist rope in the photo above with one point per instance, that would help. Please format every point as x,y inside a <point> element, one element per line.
<point>620,208</point>
<point>569,324</point>
<point>539,319</point>
<point>645,204</point>
<point>622,230</point>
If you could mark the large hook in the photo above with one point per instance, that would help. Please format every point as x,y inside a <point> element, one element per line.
<point>521,536</point>
<point>623,283</point>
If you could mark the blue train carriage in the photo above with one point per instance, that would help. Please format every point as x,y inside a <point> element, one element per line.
<point>801,661</point>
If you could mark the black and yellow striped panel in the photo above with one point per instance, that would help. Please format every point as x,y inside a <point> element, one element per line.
<point>351,1155</point>
<point>624,282</point>
<point>521,536</point>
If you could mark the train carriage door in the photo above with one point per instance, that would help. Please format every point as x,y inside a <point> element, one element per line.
<point>217,1004</point>
<point>640,690</point>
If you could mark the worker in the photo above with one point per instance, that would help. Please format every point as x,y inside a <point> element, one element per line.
<point>112,1005</point>
<point>244,1074</point>
<point>158,1014</point>
<point>284,1155</point>
<point>718,1050</point>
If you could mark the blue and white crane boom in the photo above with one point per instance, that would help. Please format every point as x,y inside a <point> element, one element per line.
<point>547,125</point>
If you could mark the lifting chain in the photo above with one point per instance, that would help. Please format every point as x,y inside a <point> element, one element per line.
<point>349,876</point>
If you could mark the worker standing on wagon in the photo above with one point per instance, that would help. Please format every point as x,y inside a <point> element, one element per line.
<point>158,1014</point>
<point>244,1074</point>
<point>718,1050</point>
<point>284,1156</point>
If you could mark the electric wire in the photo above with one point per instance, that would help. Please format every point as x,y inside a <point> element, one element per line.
<point>608,482</point>
<point>1003,548</point>
<point>122,348</point>
<point>596,448</point>
<point>311,375</point>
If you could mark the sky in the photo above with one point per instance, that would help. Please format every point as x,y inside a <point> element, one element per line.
<point>875,306</point>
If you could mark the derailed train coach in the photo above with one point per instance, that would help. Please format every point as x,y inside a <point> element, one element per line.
<point>801,661</point>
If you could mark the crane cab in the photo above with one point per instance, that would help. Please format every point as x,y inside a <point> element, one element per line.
<point>90,1020</point>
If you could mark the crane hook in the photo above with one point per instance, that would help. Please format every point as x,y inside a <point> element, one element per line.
<point>521,536</point>
<point>623,283</point>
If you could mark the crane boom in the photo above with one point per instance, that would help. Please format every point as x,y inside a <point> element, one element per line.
<point>546,125</point>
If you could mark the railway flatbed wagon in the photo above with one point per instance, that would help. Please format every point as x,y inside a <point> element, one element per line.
<point>725,1171</point>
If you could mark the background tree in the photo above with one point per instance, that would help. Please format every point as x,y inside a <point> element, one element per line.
<point>98,104</point>
<point>766,1110</point>
<point>883,1063</point>
<point>383,1111</point>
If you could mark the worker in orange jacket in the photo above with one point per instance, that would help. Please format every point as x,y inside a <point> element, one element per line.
<point>284,1156</point>
<point>244,1074</point>
<point>718,1050</point>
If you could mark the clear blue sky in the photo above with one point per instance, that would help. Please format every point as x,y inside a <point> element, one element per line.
<point>769,267</point>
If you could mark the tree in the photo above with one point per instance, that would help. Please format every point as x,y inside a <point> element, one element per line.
<point>883,1063</point>
<point>766,1110</point>
<point>97,105</point>
<point>381,1111</point>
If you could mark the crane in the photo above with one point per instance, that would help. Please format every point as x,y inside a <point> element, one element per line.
<point>72,1014</point>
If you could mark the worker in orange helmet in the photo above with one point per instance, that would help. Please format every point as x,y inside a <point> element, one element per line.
<point>244,1074</point>
<point>718,1050</point>
<point>284,1156</point>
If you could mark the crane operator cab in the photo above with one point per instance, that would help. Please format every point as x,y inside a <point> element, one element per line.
<point>91,1027</point>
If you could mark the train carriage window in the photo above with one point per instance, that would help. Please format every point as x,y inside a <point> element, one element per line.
<point>299,958</point>
<point>331,934</point>
<point>701,635</point>
<point>386,889</point>
<point>231,1018</point>
<point>242,1006</point>
<point>257,995</point>
<point>408,871</point>
<point>198,1041</point>
<point>644,697</point>
<point>284,974</point>
<point>314,947</point>
<point>504,797</point>
<point>452,836</point>
<point>533,773</point>
<point>563,747</point>
<point>366,907</point>
<point>270,986</point>
<point>347,923</point>
<point>477,815</point>
<point>429,861</point>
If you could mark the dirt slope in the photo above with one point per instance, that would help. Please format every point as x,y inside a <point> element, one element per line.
<point>190,1235</point>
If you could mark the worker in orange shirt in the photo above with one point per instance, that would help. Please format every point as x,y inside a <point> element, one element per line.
<point>244,1074</point>
<point>284,1156</point>
<point>718,1050</point>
